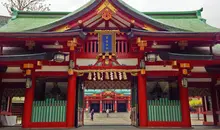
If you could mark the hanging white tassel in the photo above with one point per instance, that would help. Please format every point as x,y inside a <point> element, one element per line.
<point>106,76</point>
<point>120,75</point>
<point>111,75</point>
<point>90,76</point>
<point>102,76</point>
<point>98,76</point>
<point>115,75</point>
<point>94,76</point>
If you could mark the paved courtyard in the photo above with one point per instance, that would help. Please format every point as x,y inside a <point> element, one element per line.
<point>117,121</point>
<point>113,119</point>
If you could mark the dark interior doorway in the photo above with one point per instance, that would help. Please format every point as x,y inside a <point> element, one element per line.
<point>95,106</point>
<point>122,107</point>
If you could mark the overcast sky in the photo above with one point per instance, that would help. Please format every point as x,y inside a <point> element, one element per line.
<point>211,7</point>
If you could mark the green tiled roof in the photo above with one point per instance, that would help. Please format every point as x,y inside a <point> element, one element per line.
<point>23,21</point>
<point>98,91</point>
<point>190,21</point>
<point>187,20</point>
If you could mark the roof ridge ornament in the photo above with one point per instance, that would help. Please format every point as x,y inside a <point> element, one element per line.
<point>105,5</point>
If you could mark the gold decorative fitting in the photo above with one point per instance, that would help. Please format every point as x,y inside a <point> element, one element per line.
<point>28,66</point>
<point>108,5</point>
<point>107,14</point>
<point>174,63</point>
<point>30,44</point>
<point>132,21</point>
<point>141,43</point>
<point>134,73</point>
<point>184,65</point>
<point>70,71</point>
<point>143,71</point>
<point>185,72</point>
<point>63,28</point>
<point>79,21</point>
<point>80,74</point>
<point>106,62</point>
<point>28,72</point>
<point>149,28</point>
<point>39,63</point>
<point>72,44</point>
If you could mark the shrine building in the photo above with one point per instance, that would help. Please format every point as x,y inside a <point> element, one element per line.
<point>50,62</point>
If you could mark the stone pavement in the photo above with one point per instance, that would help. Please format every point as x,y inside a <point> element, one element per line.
<point>113,119</point>
<point>116,121</point>
<point>115,128</point>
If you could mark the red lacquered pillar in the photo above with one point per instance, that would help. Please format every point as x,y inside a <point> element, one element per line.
<point>71,101</point>
<point>142,100</point>
<point>28,102</point>
<point>115,106</point>
<point>100,106</point>
<point>184,101</point>
<point>129,105</point>
<point>214,101</point>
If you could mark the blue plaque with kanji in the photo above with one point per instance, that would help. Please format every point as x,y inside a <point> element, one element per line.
<point>107,43</point>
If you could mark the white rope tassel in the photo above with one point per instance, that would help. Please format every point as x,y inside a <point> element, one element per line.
<point>115,75</point>
<point>98,75</point>
<point>90,76</point>
<point>94,76</point>
<point>102,76</point>
<point>120,75</point>
<point>111,75</point>
<point>106,76</point>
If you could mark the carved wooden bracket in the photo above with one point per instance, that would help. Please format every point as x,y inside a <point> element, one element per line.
<point>72,44</point>
<point>141,43</point>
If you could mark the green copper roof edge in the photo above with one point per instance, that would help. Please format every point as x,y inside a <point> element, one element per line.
<point>66,13</point>
<point>175,12</point>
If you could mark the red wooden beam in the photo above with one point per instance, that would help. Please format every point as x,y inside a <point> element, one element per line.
<point>162,73</point>
<point>51,74</point>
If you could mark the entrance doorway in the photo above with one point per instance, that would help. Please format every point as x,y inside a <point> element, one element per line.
<point>104,98</point>
<point>200,103</point>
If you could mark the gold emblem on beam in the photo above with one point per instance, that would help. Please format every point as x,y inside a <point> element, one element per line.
<point>141,43</point>
<point>72,44</point>
<point>149,28</point>
<point>63,28</point>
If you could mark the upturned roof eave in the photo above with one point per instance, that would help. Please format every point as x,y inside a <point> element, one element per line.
<point>14,35</point>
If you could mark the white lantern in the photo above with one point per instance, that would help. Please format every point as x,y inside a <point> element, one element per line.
<point>59,57</point>
<point>150,57</point>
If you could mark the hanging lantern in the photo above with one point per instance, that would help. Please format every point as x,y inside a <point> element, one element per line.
<point>90,76</point>
<point>115,75</point>
<point>120,75</point>
<point>125,76</point>
<point>111,75</point>
<point>98,75</point>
